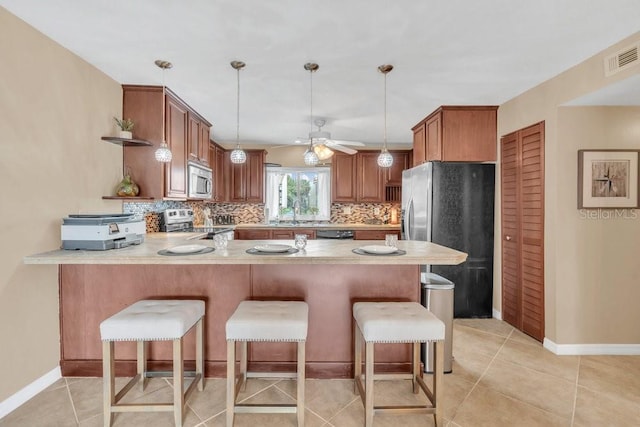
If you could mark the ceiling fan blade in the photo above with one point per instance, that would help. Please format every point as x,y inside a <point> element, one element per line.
<point>339,147</point>
<point>331,142</point>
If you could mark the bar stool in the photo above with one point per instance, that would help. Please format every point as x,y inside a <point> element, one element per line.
<point>397,322</point>
<point>152,320</point>
<point>284,321</point>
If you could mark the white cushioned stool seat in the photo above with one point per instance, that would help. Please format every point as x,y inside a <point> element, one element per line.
<point>152,320</point>
<point>269,321</point>
<point>397,322</point>
<point>285,321</point>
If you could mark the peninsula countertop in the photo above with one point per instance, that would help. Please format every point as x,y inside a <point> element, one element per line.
<point>316,252</point>
<point>319,226</point>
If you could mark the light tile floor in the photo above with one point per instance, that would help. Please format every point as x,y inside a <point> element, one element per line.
<point>500,377</point>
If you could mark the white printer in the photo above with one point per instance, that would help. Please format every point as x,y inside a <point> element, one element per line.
<point>100,232</point>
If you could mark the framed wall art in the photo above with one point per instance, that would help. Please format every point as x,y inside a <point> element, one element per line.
<point>607,179</point>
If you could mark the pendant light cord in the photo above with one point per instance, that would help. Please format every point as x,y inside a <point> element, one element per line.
<point>164,107</point>
<point>310,108</point>
<point>385,111</point>
<point>238,111</point>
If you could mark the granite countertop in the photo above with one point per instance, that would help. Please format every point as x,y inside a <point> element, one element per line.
<point>319,226</point>
<point>317,252</point>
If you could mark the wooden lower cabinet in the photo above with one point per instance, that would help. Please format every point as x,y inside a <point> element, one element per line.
<point>252,234</point>
<point>91,293</point>
<point>374,234</point>
<point>273,233</point>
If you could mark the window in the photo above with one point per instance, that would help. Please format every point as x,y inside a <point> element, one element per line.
<point>307,190</point>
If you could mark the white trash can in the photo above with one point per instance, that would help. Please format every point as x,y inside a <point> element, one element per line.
<point>437,296</point>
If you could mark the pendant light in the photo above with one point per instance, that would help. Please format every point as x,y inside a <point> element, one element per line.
<point>310,156</point>
<point>163,153</point>
<point>385,159</point>
<point>238,155</point>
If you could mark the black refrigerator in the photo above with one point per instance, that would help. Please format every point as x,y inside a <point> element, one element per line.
<point>452,204</point>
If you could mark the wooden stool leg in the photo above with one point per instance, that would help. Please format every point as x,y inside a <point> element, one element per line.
<point>142,363</point>
<point>200,353</point>
<point>357,360</point>
<point>231,381</point>
<point>108,381</point>
<point>178,382</point>
<point>437,382</point>
<point>368,388</point>
<point>301,383</point>
<point>243,364</point>
<point>416,367</point>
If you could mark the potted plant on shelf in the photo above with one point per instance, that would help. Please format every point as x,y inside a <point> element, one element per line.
<point>126,187</point>
<point>126,126</point>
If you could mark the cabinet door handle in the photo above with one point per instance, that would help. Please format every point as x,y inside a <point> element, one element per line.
<point>507,238</point>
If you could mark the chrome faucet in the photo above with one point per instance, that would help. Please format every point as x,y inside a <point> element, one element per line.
<point>296,210</point>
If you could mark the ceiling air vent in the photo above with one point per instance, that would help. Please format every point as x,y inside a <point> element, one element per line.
<point>621,60</point>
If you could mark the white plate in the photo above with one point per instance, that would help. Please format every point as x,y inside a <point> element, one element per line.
<point>272,248</point>
<point>378,249</point>
<point>186,249</point>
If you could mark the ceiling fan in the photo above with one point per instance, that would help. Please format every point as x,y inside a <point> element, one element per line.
<point>320,138</point>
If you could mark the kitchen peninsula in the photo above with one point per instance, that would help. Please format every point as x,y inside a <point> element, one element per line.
<point>327,275</point>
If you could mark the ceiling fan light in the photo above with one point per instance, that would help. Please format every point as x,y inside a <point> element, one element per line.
<point>385,159</point>
<point>238,156</point>
<point>322,151</point>
<point>310,158</point>
<point>163,154</point>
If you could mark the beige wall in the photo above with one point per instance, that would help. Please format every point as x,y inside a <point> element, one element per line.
<point>54,107</point>
<point>591,266</point>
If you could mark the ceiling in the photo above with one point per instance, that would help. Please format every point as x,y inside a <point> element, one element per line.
<point>444,52</point>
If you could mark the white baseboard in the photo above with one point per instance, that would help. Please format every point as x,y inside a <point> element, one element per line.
<point>497,314</point>
<point>592,349</point>
<point>13,402</point>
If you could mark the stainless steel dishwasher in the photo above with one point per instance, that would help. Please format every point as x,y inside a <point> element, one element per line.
<point>334,234</point>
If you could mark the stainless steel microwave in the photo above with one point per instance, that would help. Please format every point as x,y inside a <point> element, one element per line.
<point>200,184</point>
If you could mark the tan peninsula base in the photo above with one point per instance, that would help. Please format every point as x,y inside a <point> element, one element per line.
<point>90,293</point>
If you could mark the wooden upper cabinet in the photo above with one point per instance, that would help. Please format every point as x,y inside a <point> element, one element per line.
<point>218,165</point>
<point>370,178</point>
<point>194,138</point>
<point>457,134</point>
<point>419,144</point>
<point>393,175</point>
<point>198,141</point>
<point>144,105</point>
<point>358,178</point>
<point>176,128</point>
<point>343,177</point>
<point>255,176</point>
<point>246,180</point>
<point>203,144</point>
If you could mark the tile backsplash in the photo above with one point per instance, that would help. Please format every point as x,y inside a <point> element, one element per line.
<point>252,213</point>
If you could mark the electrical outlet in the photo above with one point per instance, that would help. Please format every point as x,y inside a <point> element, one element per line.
<point>346,210</point>
<point>376,211</point>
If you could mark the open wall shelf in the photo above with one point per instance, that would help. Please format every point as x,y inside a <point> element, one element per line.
<point>126,141</point>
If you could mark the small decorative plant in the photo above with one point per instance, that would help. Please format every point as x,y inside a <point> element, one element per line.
<point>124,124</point>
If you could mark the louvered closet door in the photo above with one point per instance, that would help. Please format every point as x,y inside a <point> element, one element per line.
<point>511,289</point>
<point>523,230</point>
